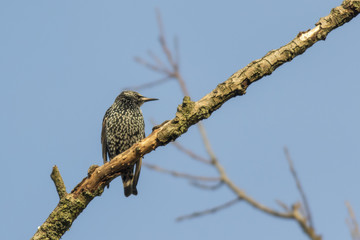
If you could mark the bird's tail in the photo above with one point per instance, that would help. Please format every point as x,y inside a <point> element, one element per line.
<point>130,180</point>
<point>127,178</point>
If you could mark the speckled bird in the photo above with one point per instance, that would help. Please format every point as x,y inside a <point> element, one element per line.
<point>123,126</point>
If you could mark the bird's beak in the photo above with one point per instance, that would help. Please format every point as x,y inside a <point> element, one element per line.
<point>145,99</point>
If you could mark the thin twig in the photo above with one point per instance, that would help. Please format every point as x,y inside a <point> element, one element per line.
<point>190,153</point>
<point>299,187</point>
<point>163,41</point>
<point>206,186</point>
<point>153,67</point>
<point>283,205</point>
<point>208,211</point>
<point>177,55</point>
<point>158,62</point>
<point>180,174</point>
<point>150,84</point>
<point>241,194</point>
<point>206,141</point>
<point>352,223</point>
<point>174,64</point>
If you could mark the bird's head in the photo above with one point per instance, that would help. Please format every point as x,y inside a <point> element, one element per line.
<point>134,97</point>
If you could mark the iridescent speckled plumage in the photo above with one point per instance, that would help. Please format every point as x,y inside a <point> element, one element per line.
<point>123,126</point>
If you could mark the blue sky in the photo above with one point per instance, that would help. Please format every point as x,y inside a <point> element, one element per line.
<point>64,62</point>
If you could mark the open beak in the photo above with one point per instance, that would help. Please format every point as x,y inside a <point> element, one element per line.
<point>145,99</point>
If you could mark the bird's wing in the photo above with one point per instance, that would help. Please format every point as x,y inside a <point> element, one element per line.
<point>137,172</point>
<point>103,139</point>
<point>136,175</point>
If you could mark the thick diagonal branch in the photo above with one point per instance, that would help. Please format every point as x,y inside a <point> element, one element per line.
<point>188,114</point>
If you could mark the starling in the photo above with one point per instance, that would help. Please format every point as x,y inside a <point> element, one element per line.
<point>123,126</point>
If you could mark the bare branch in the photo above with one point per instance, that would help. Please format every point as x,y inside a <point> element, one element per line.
<point>206,186</point>
<point>208,211</point>
<point>179,174</point>
<point>153,67</point>
<point>181,82</point>
<point>283,205</point>
<point>177,54</point>
<point>352,223</point>
<point>59,182</point>
<point>149,84</point>
<point>242,195</point>
<point>190,153</point>
<point>302,221</point>
<point>158,62</point>
<point>299,187</point>
<point>207,144</point>
<point>163,43</point>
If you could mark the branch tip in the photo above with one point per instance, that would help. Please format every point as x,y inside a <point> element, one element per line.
<point>299,187</point>
<point>59,182</point>
<point>208,211</point>
<point>352,223</point>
